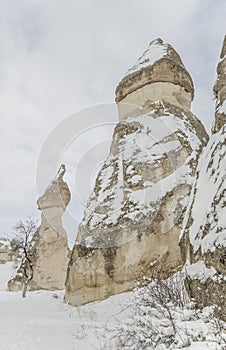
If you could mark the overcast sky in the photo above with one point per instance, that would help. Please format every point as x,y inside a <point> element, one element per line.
<point>57,57</point>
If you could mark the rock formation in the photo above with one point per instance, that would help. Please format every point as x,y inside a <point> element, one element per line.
<point>203,238</point>
<point>50,241</point>
<point>159,74</point>
<point>220,91</point>
<point>6,252</point>
<point>133,217</point>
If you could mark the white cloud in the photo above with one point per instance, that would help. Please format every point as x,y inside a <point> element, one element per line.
<point>58,56</point>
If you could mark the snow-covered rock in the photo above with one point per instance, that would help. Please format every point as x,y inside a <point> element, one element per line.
<point>203,238</point>
<point>220,91</point>
<point>6,252</point>
<point>50,241</point>
<point>159,74</point>
<point>134,215</point>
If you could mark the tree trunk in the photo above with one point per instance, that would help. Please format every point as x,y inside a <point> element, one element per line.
<point>26,285</point>
<point>25,288</point>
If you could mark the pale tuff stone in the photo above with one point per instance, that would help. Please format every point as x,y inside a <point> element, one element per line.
<point>220,91</point>
<point>159,74</point>
<point>6,252</point>
<point>141,99</point>
<point>50,240</point>
<point>134,214</point>
<point>133,217</point>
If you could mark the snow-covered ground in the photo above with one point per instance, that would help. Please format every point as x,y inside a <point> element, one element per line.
<point>42,321</point>
<point>7,271</point>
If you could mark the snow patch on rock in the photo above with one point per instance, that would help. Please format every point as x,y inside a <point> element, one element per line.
<point>152,141</point>
<point>207,206</point>
<point>156,50</point>
<point>221,109</point>
<point>199,271</point>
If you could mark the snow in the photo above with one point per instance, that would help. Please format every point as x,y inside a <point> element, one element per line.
<point>207,200</point>
<point>134,180</point>
<point>5,243</point>
<point>160,316</point>
<point>199,271</point>
<point>36,322</point>
<point>151,193</point>
<point>106,175</point>
<point>221,109</point>
<point>222,58</point>
<point>155,51</point>
<point>130,170</point>
<point>42,321</point>
<point>111,196</point>
<point>153,140</point>
<point>200,345</point>
<point>88,241</point>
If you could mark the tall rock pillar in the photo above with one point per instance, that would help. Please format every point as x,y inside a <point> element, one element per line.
<point>159,74</point>
<point>133,216</point>
<point>50,241</point>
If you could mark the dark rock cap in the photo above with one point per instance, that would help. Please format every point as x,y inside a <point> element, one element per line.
<point>159,63</point>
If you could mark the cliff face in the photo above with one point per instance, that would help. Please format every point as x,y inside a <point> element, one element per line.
<point>51,252</point>
<point>133,217</point>
<point>203,239</point>
<point>220,91</point>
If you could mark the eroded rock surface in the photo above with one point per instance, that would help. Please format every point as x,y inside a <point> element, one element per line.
<point>220,91</point>
<point>6,252</point>
<point>134,214</point>
<point>50,241</point>
<point>159,74</point>
<point>203,239</point>
<point>133,217</point>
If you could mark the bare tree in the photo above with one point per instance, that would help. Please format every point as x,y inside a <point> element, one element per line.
<point>24,245</point>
